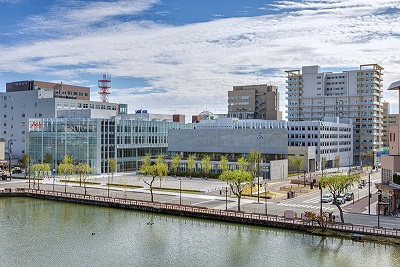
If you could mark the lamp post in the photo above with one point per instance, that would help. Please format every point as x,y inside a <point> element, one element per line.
<point>369,193</point>
<point>180,191</point>
<point>108,185</point>
<point>265,193</point>
<point>29,172</point>
<point>258,177</point>
<point>226,197</point>
<point>349,166</point>
<point>10,143</point>
<point>379,193</point>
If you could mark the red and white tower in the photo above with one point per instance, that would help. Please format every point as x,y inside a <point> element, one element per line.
<point>104,87</point>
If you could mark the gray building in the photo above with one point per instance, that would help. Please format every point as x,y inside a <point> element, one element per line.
<point>254,102</point>
<point>331,138</point>
<point>19,106</point>
<point>235,138</point>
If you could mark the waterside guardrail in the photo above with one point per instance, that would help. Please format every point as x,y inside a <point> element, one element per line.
<point>199,212</point>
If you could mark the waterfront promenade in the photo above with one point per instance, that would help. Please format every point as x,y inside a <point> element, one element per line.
<point>131,199</point>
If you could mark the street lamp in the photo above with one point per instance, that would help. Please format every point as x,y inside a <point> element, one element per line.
<point>265,195</point>
<point>258,177</point>
<point>349,166</point>
<point>369,193</point>
<point>379,193</point>
<point>226,196</point>
<point>180,191</point>
<point>108,185</point>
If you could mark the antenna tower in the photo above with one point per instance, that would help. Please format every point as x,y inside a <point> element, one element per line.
<point>104,87</point>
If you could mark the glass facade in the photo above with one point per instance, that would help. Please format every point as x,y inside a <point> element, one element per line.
<point>60,137</point>
<point>95,141</point>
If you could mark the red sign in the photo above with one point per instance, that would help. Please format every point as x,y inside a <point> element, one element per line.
<point>35,124</point>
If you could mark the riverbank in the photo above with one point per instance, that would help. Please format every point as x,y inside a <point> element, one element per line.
<point>371,234</point>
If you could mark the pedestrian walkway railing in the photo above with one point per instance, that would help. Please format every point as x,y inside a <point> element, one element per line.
<point>229,213</point>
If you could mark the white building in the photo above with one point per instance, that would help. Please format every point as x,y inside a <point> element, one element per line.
<point>19,106</point>
<point>331,138</point>
<point>357,94</point>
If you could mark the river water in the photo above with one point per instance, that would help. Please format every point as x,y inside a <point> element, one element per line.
<point>49,233</point>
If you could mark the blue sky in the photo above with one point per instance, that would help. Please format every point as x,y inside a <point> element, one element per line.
<point>184,55</point>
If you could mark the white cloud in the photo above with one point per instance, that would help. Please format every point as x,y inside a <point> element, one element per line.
<point>195,65</point>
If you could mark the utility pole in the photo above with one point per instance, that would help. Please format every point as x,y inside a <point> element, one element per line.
<point>258,177</point>
<point>10,144</point>
<point>369,193</point>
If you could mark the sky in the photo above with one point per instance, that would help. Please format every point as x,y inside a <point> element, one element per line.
<point>183,56</point>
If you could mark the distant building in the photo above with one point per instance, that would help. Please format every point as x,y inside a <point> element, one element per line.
<point>390,174</point>
<point>96,140</point>
<point>254,102</point>
<point>19,106</point>
<point>331,138</point>
<point>59,89</point>
<point>388,120</point>
<point>355,94</point>
<point>234,138</point>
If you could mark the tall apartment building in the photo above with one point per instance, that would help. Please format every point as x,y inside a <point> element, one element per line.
<point>60,90</point>
<point>388,120</point>
<point>254,102</point>
<point>355,94</point>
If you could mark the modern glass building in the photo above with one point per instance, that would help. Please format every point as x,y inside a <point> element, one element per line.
<point>95,141</point>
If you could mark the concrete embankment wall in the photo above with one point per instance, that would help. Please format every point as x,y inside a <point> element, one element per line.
<point>169,211</point>
<point>203,213</point>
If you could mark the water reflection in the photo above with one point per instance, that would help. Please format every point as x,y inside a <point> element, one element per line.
<point>60,234</point>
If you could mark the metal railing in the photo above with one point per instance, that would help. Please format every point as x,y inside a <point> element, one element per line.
<point>201,210</point>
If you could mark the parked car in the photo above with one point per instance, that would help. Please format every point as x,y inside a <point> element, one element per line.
<point>349,196</point>
<point>326,198</point>
<point>16,170</point>
<point>341,199</point>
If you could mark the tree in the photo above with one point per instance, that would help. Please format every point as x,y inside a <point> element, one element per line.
<point>25,160</point>
<point>224,164</point>
<point>176,161</point>
<point>292,163</point>
<point>83,170</point>
<point>191,164</point>
<point>253,165</point>
<point>48,158</point>
<point>337,185</point>
<point>237,180</point>
<point>206,165</point>
<point>40,170</point>
<point>323,165</point>
<point>113,167</point>
<point>296,163</point>
<point>66,168</point>
<point>337,162</point>
<point>159,168</point>
<point>321,219</point>
<point>299,161</point>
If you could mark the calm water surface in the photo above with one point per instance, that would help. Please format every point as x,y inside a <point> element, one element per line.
<point>47,233</point>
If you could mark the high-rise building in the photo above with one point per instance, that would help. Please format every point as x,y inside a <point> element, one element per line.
<point>254,102</point>
<point>355,94</point>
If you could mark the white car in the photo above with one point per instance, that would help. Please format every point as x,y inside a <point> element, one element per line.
<point>326,198</point>
<point>341,199</point>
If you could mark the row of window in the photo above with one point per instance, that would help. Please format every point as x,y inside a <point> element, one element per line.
<point>63,92</point>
